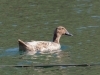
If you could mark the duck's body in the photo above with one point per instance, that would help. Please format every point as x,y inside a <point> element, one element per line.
<point>44,46</point>
<point>41,46</point>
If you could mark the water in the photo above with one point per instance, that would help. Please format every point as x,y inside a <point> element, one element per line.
<point>36,20</point>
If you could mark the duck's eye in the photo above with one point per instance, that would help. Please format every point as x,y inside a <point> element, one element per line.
<point>62,28</point>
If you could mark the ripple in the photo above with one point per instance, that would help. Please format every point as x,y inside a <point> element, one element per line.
<point>63,67</point>
<point>93,26</point>
<point>81,5</point>
<point>0,22</point>
<point>24,32</point>
<point>46,28</point>
<point>14,25</point>
<point>78,10</point>
<point>89,10</point>
<point>88,40</point>
<point>44,16</point>
<point>46,23</point>
<point>85,0</point>
<point>41,36</point>
<point>90,4</point>
<point>28,26</point>
<point>80,43</point>
<point>25,62</point>
<point>27,17</point>
<point>80,29</point>
<point>10,52</point>
<point>56,21</point>
<point>96,57</point>
<point>64,47</point>
<point>83,28</point>
<point>95,16</point>
<point>79,57</point>
<point>32,5</point>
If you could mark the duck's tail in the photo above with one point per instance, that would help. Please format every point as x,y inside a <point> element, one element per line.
<point>22,45</point>
<point>21,42</point>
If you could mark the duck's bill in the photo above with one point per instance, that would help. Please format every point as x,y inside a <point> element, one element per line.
<point>67,33</point>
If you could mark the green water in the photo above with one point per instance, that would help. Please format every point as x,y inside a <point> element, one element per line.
<point>36,20</point>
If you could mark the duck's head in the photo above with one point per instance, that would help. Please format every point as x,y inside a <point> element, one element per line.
<point>60,30</point>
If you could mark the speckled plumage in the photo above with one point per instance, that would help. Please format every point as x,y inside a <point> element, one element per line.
<point>44,46</point>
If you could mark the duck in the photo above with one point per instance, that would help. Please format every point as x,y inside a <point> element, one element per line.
<point>42,46</point>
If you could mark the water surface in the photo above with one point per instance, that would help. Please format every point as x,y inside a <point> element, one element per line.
<point>36,20</point>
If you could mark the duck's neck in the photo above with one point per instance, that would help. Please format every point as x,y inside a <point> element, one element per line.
<point>56,38</point>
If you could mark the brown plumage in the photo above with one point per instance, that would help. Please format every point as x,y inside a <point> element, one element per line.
<point>43,46</point>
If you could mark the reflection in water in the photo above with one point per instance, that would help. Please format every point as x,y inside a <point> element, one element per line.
<point>14,51</point>
<point>46,58</point>
<point>38,58</point>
